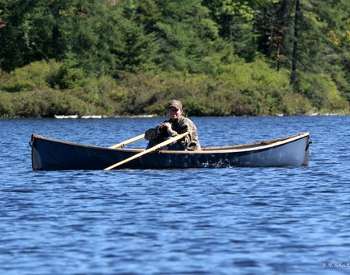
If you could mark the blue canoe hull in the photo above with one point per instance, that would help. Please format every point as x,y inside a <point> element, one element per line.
<point>52,154</point>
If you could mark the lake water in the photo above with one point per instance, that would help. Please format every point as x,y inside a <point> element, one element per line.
<point>196,221</point>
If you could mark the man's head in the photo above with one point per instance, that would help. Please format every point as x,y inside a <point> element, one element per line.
<point>175,109</point>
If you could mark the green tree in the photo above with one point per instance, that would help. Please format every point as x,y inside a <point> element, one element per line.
<point>185,34</point>
<point>95,34</point>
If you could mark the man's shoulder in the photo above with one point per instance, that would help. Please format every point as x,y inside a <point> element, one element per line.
<point>187,121</point>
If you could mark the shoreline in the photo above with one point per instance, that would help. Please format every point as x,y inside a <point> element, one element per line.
<point>65,117</point>
<point>155,115</point>
<point>101,116</point>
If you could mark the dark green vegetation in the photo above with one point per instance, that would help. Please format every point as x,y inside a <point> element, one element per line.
<point>221,57</point>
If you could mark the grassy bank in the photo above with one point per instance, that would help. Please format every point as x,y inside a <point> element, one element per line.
<point>45,89</point>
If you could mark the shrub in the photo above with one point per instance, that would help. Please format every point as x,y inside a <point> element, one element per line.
<point>239,89</point>
<point>67,77</point>
<point>322,92</point>
<point>30,77</point>
<point>296,104</point>
<point>6,106</point>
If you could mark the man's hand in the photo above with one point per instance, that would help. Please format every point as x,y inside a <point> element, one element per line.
<point>169,129</point>
<point>166,125</point>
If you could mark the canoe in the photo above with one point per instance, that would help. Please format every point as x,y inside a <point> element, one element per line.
<point>53,154</point>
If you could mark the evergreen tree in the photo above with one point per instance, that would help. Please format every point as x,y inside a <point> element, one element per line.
<point>236,24</point>
<point>183,30</point>
<point>97,36</point>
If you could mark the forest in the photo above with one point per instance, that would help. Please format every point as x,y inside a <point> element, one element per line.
<point>129,57</point>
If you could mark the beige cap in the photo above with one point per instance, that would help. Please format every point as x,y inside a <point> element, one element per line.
<point>176,104</point>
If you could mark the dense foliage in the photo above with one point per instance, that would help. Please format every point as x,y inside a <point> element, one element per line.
<point>221,57</point>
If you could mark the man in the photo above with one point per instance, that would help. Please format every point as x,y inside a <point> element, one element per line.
<point>175,125</point>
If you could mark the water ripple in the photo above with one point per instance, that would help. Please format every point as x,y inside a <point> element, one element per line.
<point>196,221</point>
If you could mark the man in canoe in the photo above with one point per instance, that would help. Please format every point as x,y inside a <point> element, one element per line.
<point>175,125</point>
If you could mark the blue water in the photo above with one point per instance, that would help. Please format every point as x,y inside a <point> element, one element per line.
<point>196,221</point>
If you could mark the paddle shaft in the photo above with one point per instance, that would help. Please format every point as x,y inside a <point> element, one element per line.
<point>152,149</point>
<point>126,142</point>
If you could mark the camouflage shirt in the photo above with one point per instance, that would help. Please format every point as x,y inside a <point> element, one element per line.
<point>190,142</point>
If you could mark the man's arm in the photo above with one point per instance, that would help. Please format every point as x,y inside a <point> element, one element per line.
<point>161,130</point>
<point>169,129</point>
<point>192,142</point>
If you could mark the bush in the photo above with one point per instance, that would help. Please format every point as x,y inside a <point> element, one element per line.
<point>6,106</point>
<point>240,89</point>
<point>322,92</point>
<point>30,77</point>
<point>296,104</point>
<point>67,77</point>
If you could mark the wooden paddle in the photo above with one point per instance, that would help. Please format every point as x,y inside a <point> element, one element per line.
<point>126,142</point>
<point>152,149</point>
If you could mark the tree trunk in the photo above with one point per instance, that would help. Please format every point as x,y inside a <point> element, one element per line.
<point>282,25</point>
<point>293,76</point>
